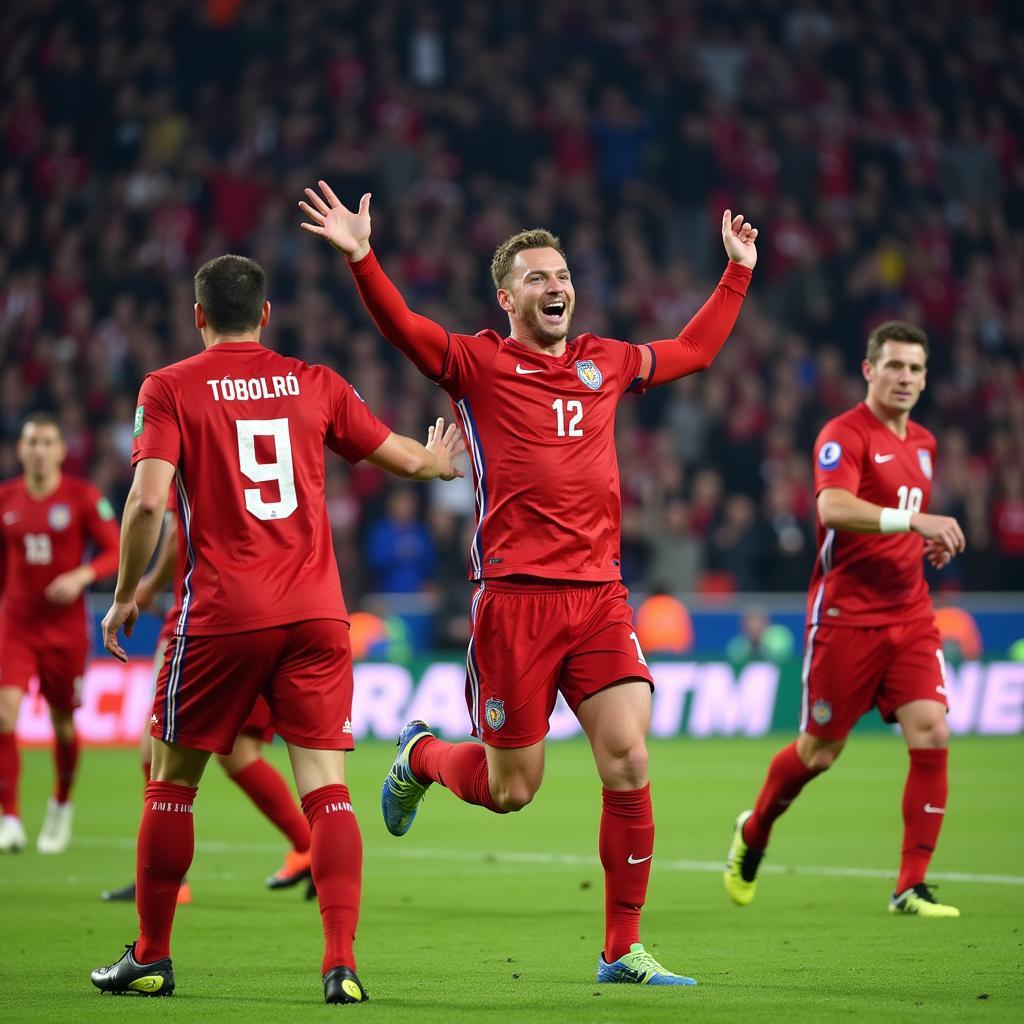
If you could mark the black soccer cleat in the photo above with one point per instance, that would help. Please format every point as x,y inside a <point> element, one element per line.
<point>341,985</point>
<point>128,977</point>
<point>126,894</point>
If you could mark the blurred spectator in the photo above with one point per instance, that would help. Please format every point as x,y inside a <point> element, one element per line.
<point>399,548</point>
<point>760,638</point>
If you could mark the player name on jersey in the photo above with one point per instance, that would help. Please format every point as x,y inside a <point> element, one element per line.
<point>241,389</point>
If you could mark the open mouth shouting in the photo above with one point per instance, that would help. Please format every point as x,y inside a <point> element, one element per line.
<point>553,311</point>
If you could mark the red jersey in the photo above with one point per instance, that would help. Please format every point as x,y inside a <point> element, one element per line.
<point>871,579</point>
<point>540,432</point>
<point>246,428</point>
<point>41,538</point>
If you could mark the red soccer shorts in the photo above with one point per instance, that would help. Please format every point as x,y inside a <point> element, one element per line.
<point>848,670</point>
<point>208,686</point>
<point>61,670</point>
<point>533,640</point>
<point>260,722</point>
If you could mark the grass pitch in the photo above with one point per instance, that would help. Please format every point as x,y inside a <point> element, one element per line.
<point>472,917</point>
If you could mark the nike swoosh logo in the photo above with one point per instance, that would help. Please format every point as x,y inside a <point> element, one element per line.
<point>928,809</point>
<point>519,369</point>
<point>638,860</point>
<point>883,458</point>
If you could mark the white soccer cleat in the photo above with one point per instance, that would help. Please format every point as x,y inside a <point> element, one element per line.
<point>12,834</point>
<point>55,834</point>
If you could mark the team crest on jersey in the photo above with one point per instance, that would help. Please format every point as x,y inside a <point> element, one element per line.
<point>924,457</point>
<point>59,517</point>
<point>494,712</point>
<point>830,454</point>
<point>821,712</point>
<point>588,372</point>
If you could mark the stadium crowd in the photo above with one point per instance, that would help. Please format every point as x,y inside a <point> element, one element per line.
<point>876,146</point>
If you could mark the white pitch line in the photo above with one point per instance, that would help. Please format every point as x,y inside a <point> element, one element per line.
<point>571,860</point>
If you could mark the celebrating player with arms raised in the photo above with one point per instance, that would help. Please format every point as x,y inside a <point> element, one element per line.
<point>549,611</point>
<point>871,634</point>
<point>47,521</point>
<point>241,430</point>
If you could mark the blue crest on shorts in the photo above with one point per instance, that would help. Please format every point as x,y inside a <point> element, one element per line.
<point>830,454</point>
<point>924,457</point>
<point>588,372</point>
<point>494,712</point>
<point>59,517</point>
<point>821,712</point>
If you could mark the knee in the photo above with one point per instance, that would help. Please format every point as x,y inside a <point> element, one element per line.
<point>625,767</point>
<point>821,760</point>
<point>933,734</point>
<point>513,794</point>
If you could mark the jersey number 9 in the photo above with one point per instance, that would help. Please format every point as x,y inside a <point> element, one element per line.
<point>280,470</point>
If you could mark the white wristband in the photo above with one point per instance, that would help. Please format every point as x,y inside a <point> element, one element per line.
<point>895,520</point>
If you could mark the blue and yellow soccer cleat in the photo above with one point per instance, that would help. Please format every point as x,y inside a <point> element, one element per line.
<point>918,899</point>
<point>402,791</point>
<point>741,865</point>
<point>637,967</point>
<point>128,977</point>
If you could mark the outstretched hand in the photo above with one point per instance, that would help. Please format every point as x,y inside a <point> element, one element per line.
<point>348,232</point>
<point>447,445</point>
<point>738,236</point>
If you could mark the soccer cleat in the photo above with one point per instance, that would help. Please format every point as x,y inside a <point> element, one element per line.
<point>12,834</point>
<point>341,985</point>
<point>402,791</point>
<point>637,967</point>
<point>295,868</point>
<point>127,894</point>
<point>918,899</point>
<point>55,834</point>
<point>741,865</point>
<point>128,976</point>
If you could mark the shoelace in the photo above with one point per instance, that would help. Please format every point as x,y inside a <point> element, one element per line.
<point>924,891</point>
<point>647,964</point>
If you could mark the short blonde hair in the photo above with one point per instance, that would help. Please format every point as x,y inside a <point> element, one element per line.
<point>505,254</point>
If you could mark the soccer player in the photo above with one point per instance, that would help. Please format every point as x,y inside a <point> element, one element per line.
<point>245,765</point>
<point>871,636</point>
<point>242,430</point>
<point>47,521</point>
<point>549,610</point>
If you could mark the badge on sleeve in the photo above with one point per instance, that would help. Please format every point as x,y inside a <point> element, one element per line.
<point>139,416</point>
<point>924,457</point>
<point>104,509</point>
<point>830,454</point>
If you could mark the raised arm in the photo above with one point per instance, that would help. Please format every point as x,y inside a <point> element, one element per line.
<point>696,346</point>
<point>418,337</point>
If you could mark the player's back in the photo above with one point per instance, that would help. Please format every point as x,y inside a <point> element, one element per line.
<point>250,427</point>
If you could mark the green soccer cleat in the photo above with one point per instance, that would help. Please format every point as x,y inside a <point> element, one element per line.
<point>128,977</point>
<point>402,792</point>
<point>342,985</point>
<point>741,865</point>
<point>637,967</point>
<point>918,899</point>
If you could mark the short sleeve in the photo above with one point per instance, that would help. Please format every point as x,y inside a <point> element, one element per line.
<point>157,432</point>
<point>838,458</point>
<point>466,359</point>
<point>352,430</point>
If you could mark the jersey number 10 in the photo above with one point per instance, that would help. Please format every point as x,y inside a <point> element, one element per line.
<point>280,471</point>
<point>910,497</point>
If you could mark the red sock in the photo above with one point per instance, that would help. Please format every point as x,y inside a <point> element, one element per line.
<point>10,769</point>
<point>66,757</point>
<point>266,788</point>
<point>166,844</point>
<point>924,807</point>
<point>787,775</point>
<point>626,845</point>
<point>337,862</point>
<point>460,767</point>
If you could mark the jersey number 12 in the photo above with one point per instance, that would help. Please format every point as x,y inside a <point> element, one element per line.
<point>280,471</point>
